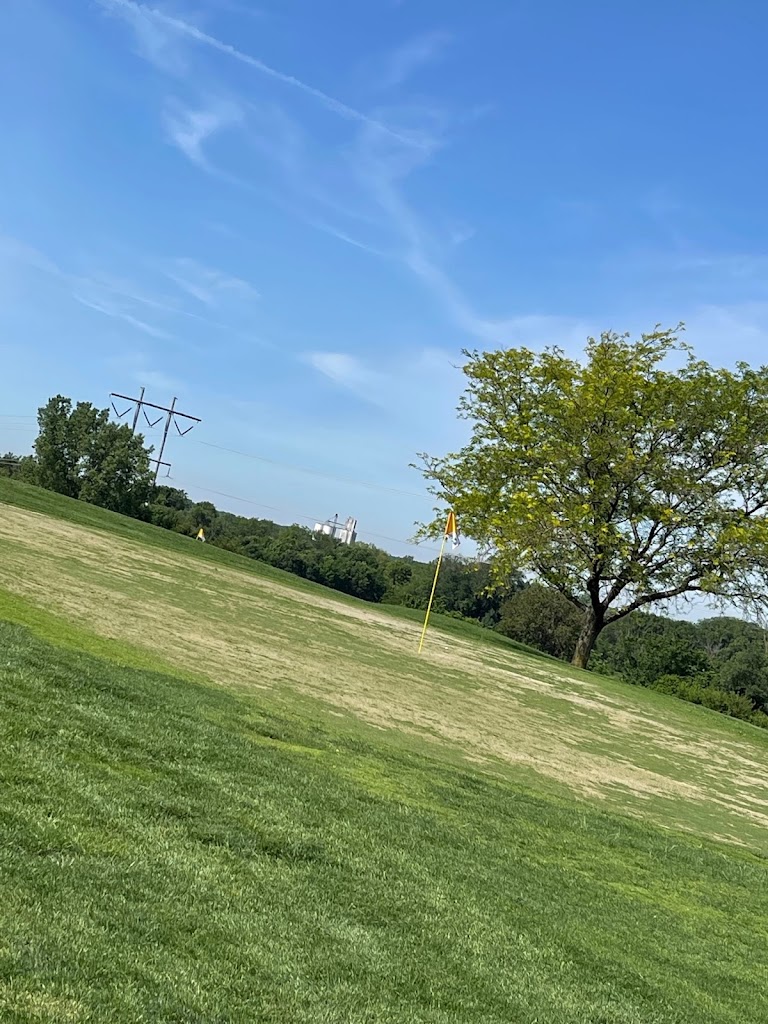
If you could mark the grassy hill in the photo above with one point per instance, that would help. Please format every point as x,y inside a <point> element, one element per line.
<point>230,796</point>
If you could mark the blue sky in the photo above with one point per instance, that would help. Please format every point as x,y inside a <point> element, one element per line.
<point>294,215</point>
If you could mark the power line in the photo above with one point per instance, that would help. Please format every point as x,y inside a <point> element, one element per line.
<point>313,472</point>
<point>137,403</point>
<point>311,519</point>
<point>139,406</point>
<point>173,415</point>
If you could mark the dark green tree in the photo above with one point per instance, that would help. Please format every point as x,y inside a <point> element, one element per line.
<point>18,467</point>
<point>738,655</point>
<point>293,550</point>
<point>465,587</point>
<point>354,570</point>
<point>81,454</point>
<point>167,508</point>
<point>541,618</point>
<point>117,472</point>
<point>171,497</point>
<point>644,647</point>
<point>59,445</point>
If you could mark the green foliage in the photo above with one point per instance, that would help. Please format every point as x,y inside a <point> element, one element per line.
<point>79,453</point>
<point>542,618</point>
<point>360,570</point>
<point>18,467</point>
<point>738,652</point>
<point>697,691</point>
<point>617,482</point>
<point>721,663</point>
<point>202,858</point>
<point>643,647</point>
<point>464,587</point>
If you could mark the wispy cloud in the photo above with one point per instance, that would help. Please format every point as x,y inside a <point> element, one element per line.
<point>141,368</point>
<point>14,251</point>
<point>129,292</point>
<point>402,62</point>
<point>383,168</point>
<point>689,259</point>
<point>359,199</point>
<point>739,328</point>
<point>321,194</point>
<point>461,233</point>
<point>348,372</point>
<point>140,13</point>
<point>190,129</point>
<point>418,393</point>
<point>207,284</point>
<point>116,297</point>
<point>114,310</point>
<point>244,10</point>
<point>100,296</point>
<point>155,41</point>
<point>356,193</point>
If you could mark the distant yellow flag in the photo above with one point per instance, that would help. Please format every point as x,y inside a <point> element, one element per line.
<point>452,530</point>
<point>201,535</point>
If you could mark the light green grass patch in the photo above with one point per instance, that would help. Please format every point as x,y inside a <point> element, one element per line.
<point>174,852</point>
<point>210,615</point>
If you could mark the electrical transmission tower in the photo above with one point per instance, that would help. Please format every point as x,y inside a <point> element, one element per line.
<point>172,416</point>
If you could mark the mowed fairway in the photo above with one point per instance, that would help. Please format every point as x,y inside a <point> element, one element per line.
<point>242,625</point>
<point>299,819</point>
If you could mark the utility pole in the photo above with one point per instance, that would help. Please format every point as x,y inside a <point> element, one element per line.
<point>172,415</point>
<point>138,410</point>
<point>165,436</point>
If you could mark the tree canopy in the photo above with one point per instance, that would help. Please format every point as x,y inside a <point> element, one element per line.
<point>18,467</point>
<point>80,453</point>
<point>618,481</point>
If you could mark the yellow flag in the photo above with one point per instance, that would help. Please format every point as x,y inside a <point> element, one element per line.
<point>452,530</point>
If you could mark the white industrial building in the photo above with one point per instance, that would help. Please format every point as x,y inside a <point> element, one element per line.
<point>332,528</point>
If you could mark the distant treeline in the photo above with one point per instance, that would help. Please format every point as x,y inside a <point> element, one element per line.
<point>721,663</point>
<point>80,452</point>
<point>361,570</point>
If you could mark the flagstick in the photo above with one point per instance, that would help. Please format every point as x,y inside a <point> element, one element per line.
<point>434,588</point>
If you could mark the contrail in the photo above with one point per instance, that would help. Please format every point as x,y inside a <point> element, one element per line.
<point>192,32</point>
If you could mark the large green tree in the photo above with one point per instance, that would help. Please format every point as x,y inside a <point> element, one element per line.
<point>620,480</point>
<point>81,454</point>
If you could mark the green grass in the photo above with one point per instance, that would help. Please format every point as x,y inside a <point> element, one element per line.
<point>80,513</point>
<point>228,795</point>
<point>97,582</point>
<point>173,853</point>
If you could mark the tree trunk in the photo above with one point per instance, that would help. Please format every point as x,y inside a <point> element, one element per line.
<point>593,624</point>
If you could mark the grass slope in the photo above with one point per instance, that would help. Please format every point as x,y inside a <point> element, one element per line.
<point>173,852</point>
<point>152,599</point>
<point>80,514</point>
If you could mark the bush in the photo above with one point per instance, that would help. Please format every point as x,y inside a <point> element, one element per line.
<point>698,690</point>
<point>540,617</point>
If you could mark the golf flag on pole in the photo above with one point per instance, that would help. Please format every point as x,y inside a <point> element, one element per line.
<point>452,531</point>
